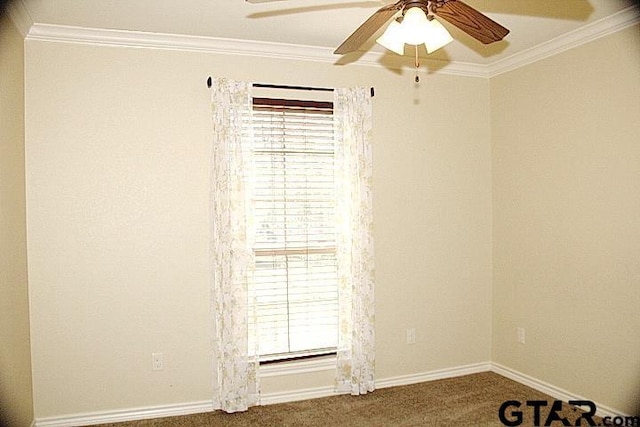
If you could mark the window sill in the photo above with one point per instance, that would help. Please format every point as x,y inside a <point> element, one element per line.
<point>293,367</point>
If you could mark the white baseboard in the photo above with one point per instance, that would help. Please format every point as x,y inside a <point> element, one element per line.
<point>551,390</point>
<point>439,374</point>
<point>313,393</point>
<point>297,395</point>
<point>317,392</point>
<point>125,415</point>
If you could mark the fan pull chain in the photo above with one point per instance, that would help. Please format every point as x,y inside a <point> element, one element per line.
<point>417,66</point>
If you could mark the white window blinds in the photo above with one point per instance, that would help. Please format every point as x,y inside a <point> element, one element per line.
<point>295,296</point>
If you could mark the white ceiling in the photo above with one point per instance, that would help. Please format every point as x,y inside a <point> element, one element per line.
<point>325,23</point>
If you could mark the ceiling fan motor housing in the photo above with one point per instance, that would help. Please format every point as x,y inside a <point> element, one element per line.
<point>422,4</point>
<point>429,7</point>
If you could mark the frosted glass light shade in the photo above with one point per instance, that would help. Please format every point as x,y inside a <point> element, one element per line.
<point>415,26</point>
<point>437,36</point>
<point>393,38</point>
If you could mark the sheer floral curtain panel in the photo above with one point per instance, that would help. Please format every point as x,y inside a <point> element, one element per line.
<point>235,364</point>
<point>235,379</point>
<point>356,338</point>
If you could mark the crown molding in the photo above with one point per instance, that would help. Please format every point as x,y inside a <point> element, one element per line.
<point>138,39</point>
<point>590,32</point>
<point>19,14</point>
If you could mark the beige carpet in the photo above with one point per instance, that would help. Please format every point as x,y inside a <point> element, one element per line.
<point>471,400</point>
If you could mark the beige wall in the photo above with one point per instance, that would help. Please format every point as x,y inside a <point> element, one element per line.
<point>566,225</point>
<point>16,404</point>
<point>117,147</point>
<point>117,150</point>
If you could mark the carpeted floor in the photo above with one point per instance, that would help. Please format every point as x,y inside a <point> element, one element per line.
<point>471,400</point>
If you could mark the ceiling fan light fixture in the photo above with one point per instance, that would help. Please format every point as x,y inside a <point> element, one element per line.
<point>393,38</point>
<point>415,26</point>
<point>438,36</point>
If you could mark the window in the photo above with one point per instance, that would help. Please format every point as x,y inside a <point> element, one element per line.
<point>233,244</point>
<point>295,296</point>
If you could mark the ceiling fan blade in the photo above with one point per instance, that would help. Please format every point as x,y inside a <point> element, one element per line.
<point>369,27</point>
<point>470,21</point>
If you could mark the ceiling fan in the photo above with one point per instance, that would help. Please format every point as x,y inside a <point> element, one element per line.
<point>416,24</point>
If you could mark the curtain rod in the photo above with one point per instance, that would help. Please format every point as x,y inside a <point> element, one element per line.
<point>272,86</point>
